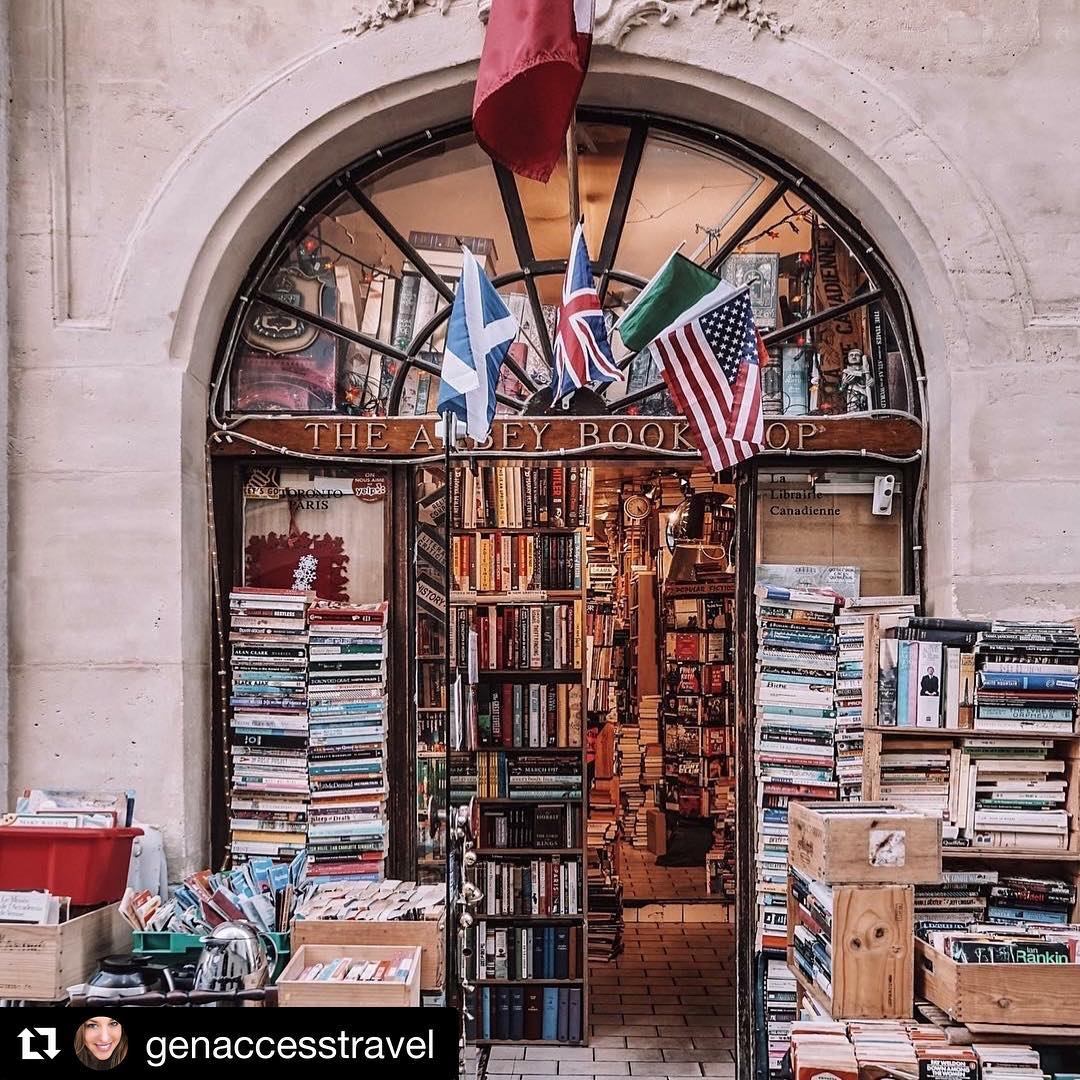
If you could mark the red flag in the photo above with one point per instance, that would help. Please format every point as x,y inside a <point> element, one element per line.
<point>535,56</point>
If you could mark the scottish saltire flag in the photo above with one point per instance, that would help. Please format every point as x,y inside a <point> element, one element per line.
<point>477,341</point>
<point>582,350</point>
<point>712,367</point>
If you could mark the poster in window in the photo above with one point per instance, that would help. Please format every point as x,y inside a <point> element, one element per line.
<point>761,271</point>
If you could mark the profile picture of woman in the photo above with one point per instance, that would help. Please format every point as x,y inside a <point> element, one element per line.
<point>100,1043</point>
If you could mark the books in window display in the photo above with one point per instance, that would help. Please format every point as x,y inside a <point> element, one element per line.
<point>268,721</point>
<point>509,561</point>
<point>347,829</point>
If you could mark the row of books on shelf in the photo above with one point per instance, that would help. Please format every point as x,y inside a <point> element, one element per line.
<point>990,793</point>
<point>526,952</point>
<point>519,637</point>
<point>528,776</point>
<point>697,646</point>
<point>545,825</point>
<point>526,715</point>
<point>516,886</point>
<point>521,496</point>
<point>1000,676</point>
<point>502,562</point>
<point>968,899</point>
<point>525,1013</point>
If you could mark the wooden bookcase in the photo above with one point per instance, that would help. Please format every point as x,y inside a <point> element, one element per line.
<point>576,676</point>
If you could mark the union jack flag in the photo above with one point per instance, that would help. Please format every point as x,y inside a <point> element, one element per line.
<point>582,349</point>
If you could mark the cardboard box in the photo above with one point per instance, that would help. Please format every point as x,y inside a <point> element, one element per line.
<point>295,994</point>
<point>864,844</point>
<point>428,934</point>
<point>656,825</point>
<point>39,963</point>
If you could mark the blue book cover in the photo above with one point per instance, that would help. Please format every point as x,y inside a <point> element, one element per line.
<point>551,1013</point>
<point>485,1012</point>
<point>574,1032</point>
<point>903,673</point>
<point>502,1013</point>
<point>1000,680</point>
<point>1026,914</point>
<point>562,953</point>
<point>564,1014</point>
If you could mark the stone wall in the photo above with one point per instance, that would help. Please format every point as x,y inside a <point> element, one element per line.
<point>153,147</point>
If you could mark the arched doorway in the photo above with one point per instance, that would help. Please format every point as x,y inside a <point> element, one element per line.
<point>332,350</point>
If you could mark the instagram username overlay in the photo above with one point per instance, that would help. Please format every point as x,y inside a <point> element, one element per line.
<point>233,1042</point>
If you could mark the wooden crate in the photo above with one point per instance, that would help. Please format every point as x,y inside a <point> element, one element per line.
<point>428,934</point>
<point>295,994</point>
<point>848,846</point>
<point>872,953</point>
<point>999,993</point>
<point>39,963</point>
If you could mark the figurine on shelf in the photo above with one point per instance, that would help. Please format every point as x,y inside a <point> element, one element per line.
<point>855,381</point>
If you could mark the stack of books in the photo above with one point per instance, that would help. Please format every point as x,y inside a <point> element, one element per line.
<point>820,1048</point>
<point>521,496</point>
<point>795,726</point>
<point>885,1044</point>
<point>268,800</point>
<point>1008,1061</point>
<point>365,901</point>
<point>1031,900</point>
<point>960,897</point>
<point>1012,795</point>
<point>915,774</point>
<point>631,792</point>
<point>812,932</point>
<point>779,994</point>
<point>1027,677</point>
<point>347,833</point>
<point>605,916</point>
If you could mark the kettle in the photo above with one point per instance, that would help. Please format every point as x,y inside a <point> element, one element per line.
<point>234,957</point>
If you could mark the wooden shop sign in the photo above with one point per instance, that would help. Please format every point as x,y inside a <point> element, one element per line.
<point>616,436</point>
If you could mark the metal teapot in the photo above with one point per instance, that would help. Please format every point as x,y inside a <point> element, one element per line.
<point>235,956</point>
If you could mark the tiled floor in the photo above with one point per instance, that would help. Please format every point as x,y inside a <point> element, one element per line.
<point>643,880</point>
<point>665,1009</point>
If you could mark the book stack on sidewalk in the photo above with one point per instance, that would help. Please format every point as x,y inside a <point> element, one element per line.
<point>795,729</point>
<point>347,833</point>
<point>1027,678</point>
<point>268,800</point>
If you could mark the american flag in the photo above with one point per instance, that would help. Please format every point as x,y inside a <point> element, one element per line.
<point>582,349</point>
<point>712,367</point>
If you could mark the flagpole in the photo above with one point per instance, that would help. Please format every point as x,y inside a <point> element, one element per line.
<point>572,173</point>
<point>449,432</point>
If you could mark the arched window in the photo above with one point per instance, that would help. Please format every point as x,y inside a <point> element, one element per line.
<point>345,310</point>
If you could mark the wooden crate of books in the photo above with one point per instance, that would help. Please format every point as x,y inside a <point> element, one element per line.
<point>343,992</point>
<point>39,963</point>
<point>864,843</point>
<point>428,934</point>
<point>851,946</point>
<point>999,993</point>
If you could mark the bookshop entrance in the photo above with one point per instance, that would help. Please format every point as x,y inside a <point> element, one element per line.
<point>570,610</point>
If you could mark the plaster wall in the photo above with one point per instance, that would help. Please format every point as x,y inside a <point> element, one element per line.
<point>152,148</point>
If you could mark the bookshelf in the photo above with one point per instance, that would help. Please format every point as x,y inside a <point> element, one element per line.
<point>518,646</point>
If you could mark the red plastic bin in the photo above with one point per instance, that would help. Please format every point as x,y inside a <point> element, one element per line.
<point>89,865</point>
